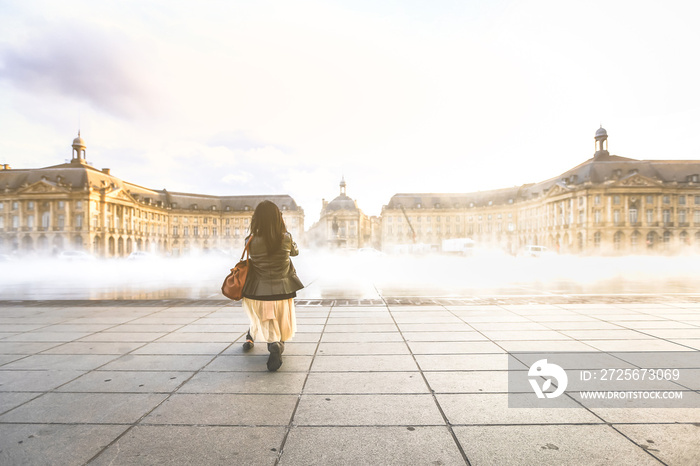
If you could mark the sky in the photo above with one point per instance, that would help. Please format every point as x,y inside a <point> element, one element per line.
<point>287,97</point>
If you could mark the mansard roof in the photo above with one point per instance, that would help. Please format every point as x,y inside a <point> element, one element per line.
<point>81,177</point>
<point>595,171</point>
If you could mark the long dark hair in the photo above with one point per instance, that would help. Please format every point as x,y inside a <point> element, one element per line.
<point>268,224</point>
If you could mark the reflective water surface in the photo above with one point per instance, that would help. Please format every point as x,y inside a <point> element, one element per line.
<point>354,275</point>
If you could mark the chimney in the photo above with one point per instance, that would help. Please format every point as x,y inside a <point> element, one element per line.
<point>105,171</point>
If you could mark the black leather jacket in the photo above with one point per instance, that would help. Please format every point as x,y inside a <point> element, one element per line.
<point>271,276</point>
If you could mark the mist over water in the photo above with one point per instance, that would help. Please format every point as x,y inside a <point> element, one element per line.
<point>351,274</point>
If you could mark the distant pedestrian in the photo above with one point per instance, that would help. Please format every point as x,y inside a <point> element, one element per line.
<point>271,284</point>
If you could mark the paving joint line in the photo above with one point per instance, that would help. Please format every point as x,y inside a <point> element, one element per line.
<point>147,413</point>
<point>301,392</point>
<point>54,390</point>
<point>446,421</point>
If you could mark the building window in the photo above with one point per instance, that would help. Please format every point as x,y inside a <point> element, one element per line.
<point>596,200</point>
<point>666,216</point>
<point>697,200</point>
<point>214,231</point>
<point>634,240</point>
<point>175,231</point>
<point>650,216</point>
<point>616,200</point>
<point>30,221</point>
<point>186,231</point>
<point>79,221</point>
<point>45,219</point>
<point>696,217</point>
<point>596,239</point>
<point>616,216</point>
<point>195,231</point>
<point>61,222</point>
<point>633,216</point>
<point>667,199</point>
<point>617,240</point>
<point>681,216</point>
<point>681,199</point>
<point>79,204</point>
<point>15,221</point>
<point>650,199</point>
<point>597,217</point>
<point>30,205</point>
<point>228,231</point>
<point>650,240</point>
<point>15,205</point>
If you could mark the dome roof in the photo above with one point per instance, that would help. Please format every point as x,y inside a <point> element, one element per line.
<point>79,141</point>
<point>341,202</point>
<point>601,132</point>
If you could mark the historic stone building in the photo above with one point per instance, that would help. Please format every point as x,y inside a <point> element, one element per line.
<point>342,225</point>
<point>607,204</point>
<point>76,206</point>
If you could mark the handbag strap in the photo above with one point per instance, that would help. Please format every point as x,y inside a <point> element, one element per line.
<point>245,249</point>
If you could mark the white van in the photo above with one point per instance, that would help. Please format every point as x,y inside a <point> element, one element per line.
<point>532,250</point>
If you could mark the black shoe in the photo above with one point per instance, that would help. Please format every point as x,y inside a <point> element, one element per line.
<point>275,360</point>
<point>248,345</point>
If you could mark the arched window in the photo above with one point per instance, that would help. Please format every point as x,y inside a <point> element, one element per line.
<point>617,240</point>
<point>634,241</point>
<point>596,240</point>
<point>667,239</point>
<point>650,240</point>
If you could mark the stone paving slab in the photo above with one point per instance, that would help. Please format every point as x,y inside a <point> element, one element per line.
<point>423,382</point>
<point>550,445</point>
<point>205,445</point>
<point>665,441</point>
<point>352,446</point>
<point>80,408</point>
<point>35,444</point>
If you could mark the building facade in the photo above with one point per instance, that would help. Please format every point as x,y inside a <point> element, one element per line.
<point>607,204</point>
<point>342,225</point>
<point>74,206</point>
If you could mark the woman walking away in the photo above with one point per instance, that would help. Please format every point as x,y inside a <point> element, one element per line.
<point>271,284</point>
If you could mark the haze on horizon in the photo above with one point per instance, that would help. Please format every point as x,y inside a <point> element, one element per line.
<point>286,97</point>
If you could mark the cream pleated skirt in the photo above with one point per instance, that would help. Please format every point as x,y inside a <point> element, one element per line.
<point>271,321</point>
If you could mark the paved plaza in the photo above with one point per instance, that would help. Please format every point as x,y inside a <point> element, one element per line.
<point>374,382</point>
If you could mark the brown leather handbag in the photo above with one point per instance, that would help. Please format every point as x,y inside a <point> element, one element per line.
<point>234,282</point>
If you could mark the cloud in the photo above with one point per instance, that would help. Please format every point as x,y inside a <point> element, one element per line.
<point>104,68</point>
